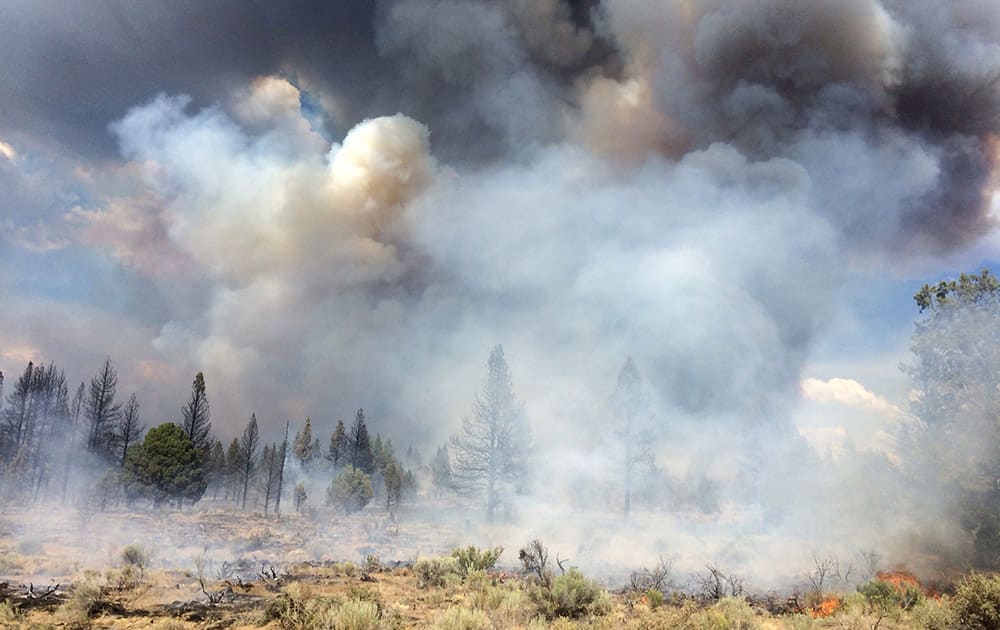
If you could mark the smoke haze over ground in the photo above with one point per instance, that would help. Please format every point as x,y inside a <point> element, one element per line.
<point>326,206</point>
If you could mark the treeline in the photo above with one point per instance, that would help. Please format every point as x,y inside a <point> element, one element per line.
<point>50,440</point>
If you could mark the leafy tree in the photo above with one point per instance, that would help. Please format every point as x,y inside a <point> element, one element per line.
<point>101,410</point>
<point>956,376</point>
<point>305,448</point>
<point>195,415</point>
<point>166,466</point>
<point>351,490</point>
<point>359,447</point>
<point>631,427</point>
<point>336,454</point>
<point>249,443</point>
<point>129,429</point>
<point>490,452</point>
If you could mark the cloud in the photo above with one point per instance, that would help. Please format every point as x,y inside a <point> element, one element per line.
<point>849,392</point>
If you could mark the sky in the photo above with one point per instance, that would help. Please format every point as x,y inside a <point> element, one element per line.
<point>334,205</point>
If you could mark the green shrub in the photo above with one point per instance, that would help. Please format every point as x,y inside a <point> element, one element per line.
<point>85,599</point>
<point>976,603</point>
<point>351,490</point>
<point>136,556</point>
<point>434,572</point>
<point>355,615</point>
<point>737,613</point>
<point>933,614</point>
<point>135,560</point>
<point>372,564</point>
<point>655,598</point>
<point>570,595</point>
<point>297,608</point>
<point>9,616</point>
<point>885,597</point>
<point>474,559</point>
<point>458,618</point>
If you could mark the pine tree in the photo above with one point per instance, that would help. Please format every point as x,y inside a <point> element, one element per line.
<point>304,447</point>
<point>490,452</point>
<point>74,429</point>
<point>215,467</point>
<point>359,446</point>
<point>632,428</point>
<point>393,474</point>
<point>129,429</point>
<point>165,466</point>
<point>441,469</point>
<point>101,410</point>
<point>281,471</point>
<point>234,467</point>
<point>195,415</point>
<point>249,443</point>
<point>269,467</point>
<point>337,452</point>
<point>19,416</point>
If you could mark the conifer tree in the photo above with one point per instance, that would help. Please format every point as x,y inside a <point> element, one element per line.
<point>490,452</point>
<point>305,447</point>
<point>359,446</point>
<point>129,429</point>
<point>441,469</point>
<point>337,452</point>
<point>215,467</point>
<point>101,410</point>
<point>195,415</point>
<point>632,427</point>
<point>234,466</point>
<point>249,443</point>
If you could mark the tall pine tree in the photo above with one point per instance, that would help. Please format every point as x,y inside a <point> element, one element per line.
<point>490,453</point>
<point>195,415</point>
<point>359,445</point>
<point>336,454</point>
<point>101,410</point>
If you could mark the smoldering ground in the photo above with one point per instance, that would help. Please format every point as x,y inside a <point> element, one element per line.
<point>688,183</point>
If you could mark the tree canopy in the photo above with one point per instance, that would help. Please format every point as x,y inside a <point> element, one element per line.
<point>166,466</point>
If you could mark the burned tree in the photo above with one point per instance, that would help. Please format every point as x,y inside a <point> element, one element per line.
<point>491,450</point>
<point>195,415</point>
<point>129,429</point>
<point>248,445</point>
<point>101,410</point>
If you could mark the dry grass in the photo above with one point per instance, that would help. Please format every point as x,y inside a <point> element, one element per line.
<point>126,587</point>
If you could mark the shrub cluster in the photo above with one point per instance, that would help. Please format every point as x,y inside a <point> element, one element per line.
<point>475,559</point>
<point>976,603</point>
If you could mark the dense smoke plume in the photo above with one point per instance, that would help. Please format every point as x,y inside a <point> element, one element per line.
<point>687,183</point>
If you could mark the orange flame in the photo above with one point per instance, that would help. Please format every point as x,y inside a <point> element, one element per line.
<point>826,607</point>
<point>900,578</point>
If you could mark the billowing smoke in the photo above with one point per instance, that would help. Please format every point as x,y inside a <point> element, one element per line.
<point>688,183</point>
